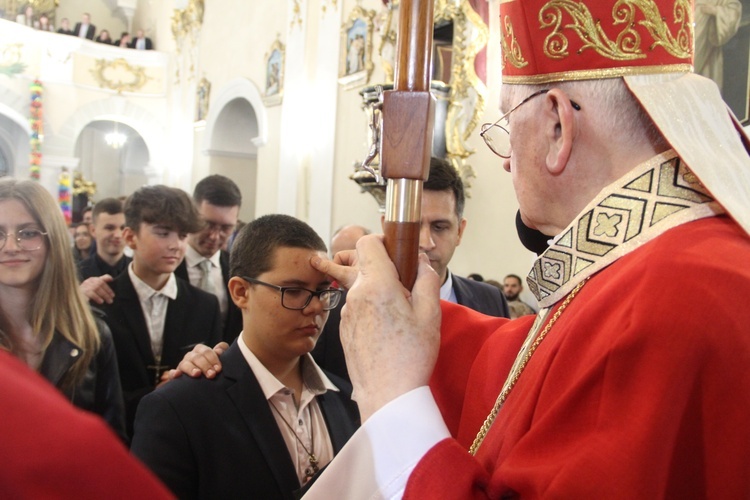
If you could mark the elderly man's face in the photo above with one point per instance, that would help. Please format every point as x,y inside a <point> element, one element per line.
<point>527,158</point>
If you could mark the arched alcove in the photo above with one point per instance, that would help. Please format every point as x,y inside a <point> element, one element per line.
<point>118,167</point>
<point>235,128</point>
<point>14,148</point>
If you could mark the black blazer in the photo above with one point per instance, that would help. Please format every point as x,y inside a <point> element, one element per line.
<point>91,267</point>
<point>233,324</point>
<point>329,353</point>
<point>481,297</point>
<point>218,438</point>
<point>89,33</point>
<point>148,43</point>
<point>192,318</point>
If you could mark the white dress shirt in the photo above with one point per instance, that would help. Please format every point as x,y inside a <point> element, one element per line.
<point>297,423</point>
<point>193,262</point>
<point>154,305</point>
<point>446,290</point>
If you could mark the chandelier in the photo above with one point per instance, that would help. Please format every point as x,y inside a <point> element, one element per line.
<point>115,139</point>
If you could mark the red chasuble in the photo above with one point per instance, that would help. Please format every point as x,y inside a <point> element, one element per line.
<point>641,389</point>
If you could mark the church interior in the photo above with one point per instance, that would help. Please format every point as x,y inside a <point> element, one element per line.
<point>276,95</point>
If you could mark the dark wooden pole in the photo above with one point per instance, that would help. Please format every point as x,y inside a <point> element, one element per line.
<point>406,138</point>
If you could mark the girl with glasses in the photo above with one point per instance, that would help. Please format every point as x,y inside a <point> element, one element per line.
<point>44,320</point>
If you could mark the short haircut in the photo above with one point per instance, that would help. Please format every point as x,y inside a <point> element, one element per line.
<point>87,208</point>
<point>514,276</point>
<point>163,205</point>
<point>217,190</point>
<point>255,245</point>
<point>443,177</point>
<point>364,230</point>
<point>111,206</point>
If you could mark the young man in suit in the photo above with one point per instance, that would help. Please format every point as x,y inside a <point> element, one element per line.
<point>272,417</point>
<point>85,29</point>
<point>155,317</point>
<point>107,226</point>
<point>206,263</point>
<point>141,42</point>
<point>441,230</point>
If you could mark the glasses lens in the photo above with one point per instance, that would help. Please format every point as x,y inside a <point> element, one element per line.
<point>497,137</point>
<point>30,239</point>
<point>295,298</point>
<point>330,299</point>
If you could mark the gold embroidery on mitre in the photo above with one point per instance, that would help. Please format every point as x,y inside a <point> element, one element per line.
<point>596,74</point>
<point>512,51</point>
<point>627,45</point>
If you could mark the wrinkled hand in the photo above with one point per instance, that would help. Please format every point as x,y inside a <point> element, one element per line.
<point>391,336</point>
<point>202,360</point>
<point>341,269</point>
<point>97,289</point>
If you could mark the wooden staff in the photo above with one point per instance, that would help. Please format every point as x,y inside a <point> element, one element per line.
<point>406,138</point>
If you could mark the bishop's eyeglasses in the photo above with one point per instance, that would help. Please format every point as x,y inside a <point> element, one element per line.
<point>26,239</point>
<point>497,135</point>
<point>297,298</point>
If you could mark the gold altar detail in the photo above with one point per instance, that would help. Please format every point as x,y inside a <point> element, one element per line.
<point>186,28</point>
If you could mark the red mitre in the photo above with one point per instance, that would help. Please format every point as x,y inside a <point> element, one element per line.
<point>556,40</point>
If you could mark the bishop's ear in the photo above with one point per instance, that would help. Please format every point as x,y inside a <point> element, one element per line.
<point>560,129</point>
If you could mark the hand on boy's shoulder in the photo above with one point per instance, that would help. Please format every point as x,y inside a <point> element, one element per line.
<point>201,361</point>
<point>97,289</point>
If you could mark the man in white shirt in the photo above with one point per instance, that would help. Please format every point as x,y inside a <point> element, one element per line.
<point>206,263</point>
<point>85,29</point>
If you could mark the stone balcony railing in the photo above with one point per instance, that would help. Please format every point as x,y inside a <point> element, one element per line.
<point>70,60</point>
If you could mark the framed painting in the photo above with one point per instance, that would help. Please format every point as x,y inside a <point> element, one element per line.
<point>274,87</point>
<point>728,62</point>
<point>202,95</point>
<point>356,64</point>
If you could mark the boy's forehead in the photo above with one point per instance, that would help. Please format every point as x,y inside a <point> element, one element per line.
<point>292,258</point>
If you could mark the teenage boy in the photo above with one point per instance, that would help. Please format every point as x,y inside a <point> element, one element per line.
<point>156,317</point>
<point>272,417</point>
<point>107,226</point>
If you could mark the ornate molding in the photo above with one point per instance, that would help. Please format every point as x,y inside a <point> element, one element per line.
<point>186,28</point>
<point>119,75</point>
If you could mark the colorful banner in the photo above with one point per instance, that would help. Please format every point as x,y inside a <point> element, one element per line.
<point>37,129</point>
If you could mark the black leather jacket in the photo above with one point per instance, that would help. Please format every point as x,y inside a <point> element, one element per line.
<point>100,391</point>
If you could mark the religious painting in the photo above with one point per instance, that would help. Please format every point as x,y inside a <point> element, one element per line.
<point>202,95</point>
<point>728,61</point>
<point>274,87</point>
<point>356,64</point>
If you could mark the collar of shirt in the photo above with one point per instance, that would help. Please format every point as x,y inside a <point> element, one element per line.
<point>446,290</point>
<point>312,375</point>
<point>193,258</point>
<point>145,292</point>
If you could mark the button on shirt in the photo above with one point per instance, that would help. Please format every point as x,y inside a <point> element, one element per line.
<point>154,305</point>
<point>301,420</point>
<point>195,274</point>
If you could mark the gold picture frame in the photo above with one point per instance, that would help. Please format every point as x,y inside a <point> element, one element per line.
<point>355,63</point>
<point>274,84</point>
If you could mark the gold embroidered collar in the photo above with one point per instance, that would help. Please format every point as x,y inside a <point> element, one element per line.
<point>656,196</point>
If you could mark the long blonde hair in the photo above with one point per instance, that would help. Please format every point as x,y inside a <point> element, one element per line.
<point>57,305</point>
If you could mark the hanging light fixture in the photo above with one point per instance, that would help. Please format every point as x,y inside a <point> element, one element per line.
<point>115,139</point>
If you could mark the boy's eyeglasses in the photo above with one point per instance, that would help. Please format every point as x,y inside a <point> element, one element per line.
<point>297,298</point>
